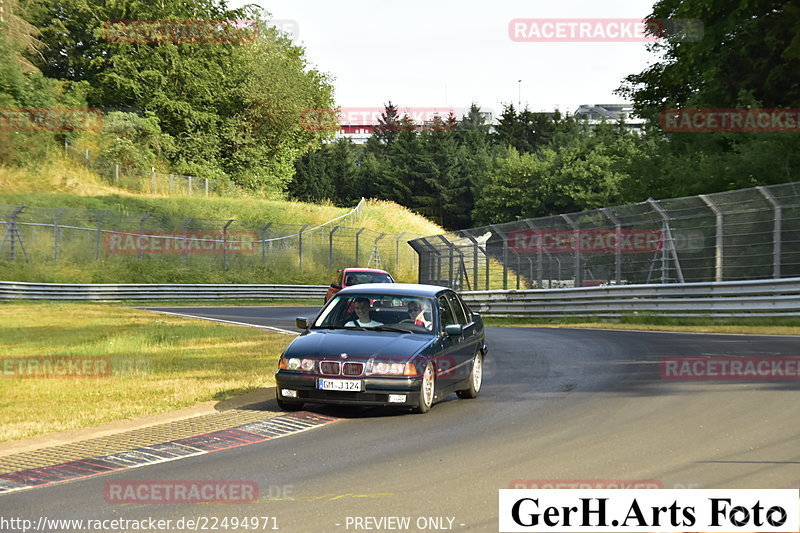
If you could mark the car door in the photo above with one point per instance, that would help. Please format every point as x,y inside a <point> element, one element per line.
<point>467,342</point>
<point>447,359</point>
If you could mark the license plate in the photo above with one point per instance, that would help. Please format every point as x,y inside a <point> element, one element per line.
<point>353,385</point>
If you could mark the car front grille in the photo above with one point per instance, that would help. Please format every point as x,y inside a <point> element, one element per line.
<point>352,369</point>
<point>329,368</point>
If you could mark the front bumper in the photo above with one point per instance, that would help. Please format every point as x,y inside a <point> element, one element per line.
<point>375,390</point>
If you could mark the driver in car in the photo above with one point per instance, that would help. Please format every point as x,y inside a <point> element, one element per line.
<point>416,310</point>
<point>362,307</point>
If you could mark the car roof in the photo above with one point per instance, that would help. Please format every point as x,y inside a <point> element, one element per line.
<point>356,269</point>
<point>395,289</point>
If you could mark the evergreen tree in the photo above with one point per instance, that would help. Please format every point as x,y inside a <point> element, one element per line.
<point>311,181</point>
<point>341,165</point>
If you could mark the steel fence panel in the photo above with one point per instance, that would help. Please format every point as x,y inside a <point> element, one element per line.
<point>79,236</point>
<point>735,235</point>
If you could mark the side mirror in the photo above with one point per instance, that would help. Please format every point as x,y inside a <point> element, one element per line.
<point>336,286</point>
<point>453,330</point>
<point>301,322</point>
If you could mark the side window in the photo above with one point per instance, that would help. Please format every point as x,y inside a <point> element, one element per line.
<point>445,313</point>
<point>466,308</point>
<point>461,316</point>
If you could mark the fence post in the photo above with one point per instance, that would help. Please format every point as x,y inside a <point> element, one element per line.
<point>330,245</point>
<point>141,232</point>
<point>300,245</point>
<point>577,231</point>
<point>224,242</point>
<point>116,173</point>
<point>185,241</point>
<point>171,183</point>
<point>719,255</point>
<point>55,236</point>
<point>264,243</point>
<point>357,250</point>
<point>206,186</point>
<point>505,254</point>
<point>190,185</point>
<point>153,179</point>
<point>87,156</point>
<point>100,218</point>
<point>474,258</point>
<point>776,231</point>
<point>397,251</point>
<point>618,251</point>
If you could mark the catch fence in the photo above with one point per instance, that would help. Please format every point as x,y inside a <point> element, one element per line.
<point>78,236</point>
<point>736,235</point>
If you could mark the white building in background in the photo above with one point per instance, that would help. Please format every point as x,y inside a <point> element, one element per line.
<point>358,127</point>
<point>611,113</point>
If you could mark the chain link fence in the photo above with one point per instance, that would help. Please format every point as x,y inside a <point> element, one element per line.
<point>77,236</point>
<point>736,235</point>
<point>147,180</point>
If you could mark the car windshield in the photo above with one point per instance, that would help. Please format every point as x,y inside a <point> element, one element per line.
<point>379,312</point>
<point>357,278</point>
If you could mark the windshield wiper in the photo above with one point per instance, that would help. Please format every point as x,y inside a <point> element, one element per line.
<point>390,328</point>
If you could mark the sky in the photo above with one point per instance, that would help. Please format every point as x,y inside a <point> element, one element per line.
<point>449,53</point>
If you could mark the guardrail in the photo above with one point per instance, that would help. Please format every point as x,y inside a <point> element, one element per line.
<point>134,291</point>
<point>713,299</point>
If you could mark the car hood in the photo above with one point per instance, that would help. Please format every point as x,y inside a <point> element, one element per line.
<point>358,344</point>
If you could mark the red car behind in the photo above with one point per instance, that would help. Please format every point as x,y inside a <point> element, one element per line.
<point>348,277</point>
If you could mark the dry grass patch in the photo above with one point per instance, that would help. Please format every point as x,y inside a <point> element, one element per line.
<point>158,363</point>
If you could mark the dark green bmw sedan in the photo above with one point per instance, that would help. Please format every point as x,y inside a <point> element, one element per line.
<point>400,345</point>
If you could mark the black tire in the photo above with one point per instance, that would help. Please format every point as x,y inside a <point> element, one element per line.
<point>475,379</point>
<point>427,389</point>
<point>288,406</point>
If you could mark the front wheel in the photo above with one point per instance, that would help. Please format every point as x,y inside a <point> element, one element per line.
<point>475,379</point>
<point>427,389</point>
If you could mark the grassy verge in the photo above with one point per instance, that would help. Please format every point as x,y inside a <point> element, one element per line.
<point>761,326</point>
<point>158,363</point>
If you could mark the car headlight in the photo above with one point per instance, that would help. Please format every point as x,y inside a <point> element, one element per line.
<point>295,363</point>
<point>394,369</point>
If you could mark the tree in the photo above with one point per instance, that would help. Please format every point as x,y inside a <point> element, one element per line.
<point>340,159</point>
<point>311,182</point>
<point>234,107</point>
<point>746,46</point>
<point>409,176</point>
<point>388,127</point>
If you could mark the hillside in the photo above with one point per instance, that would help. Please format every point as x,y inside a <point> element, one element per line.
<point>63,184</point>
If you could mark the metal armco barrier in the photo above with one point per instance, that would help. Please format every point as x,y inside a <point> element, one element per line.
<point>712,299</point>
<point>131,291</point>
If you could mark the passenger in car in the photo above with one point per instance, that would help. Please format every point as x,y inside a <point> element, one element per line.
<point>416,310</point>
<point>362,309</point>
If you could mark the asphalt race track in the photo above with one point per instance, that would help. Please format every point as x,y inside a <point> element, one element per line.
<point>556,404</point>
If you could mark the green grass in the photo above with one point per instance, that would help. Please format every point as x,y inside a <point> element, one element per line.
<point>61,183</point>
<point>159,363</point>
<point>763,326</point>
